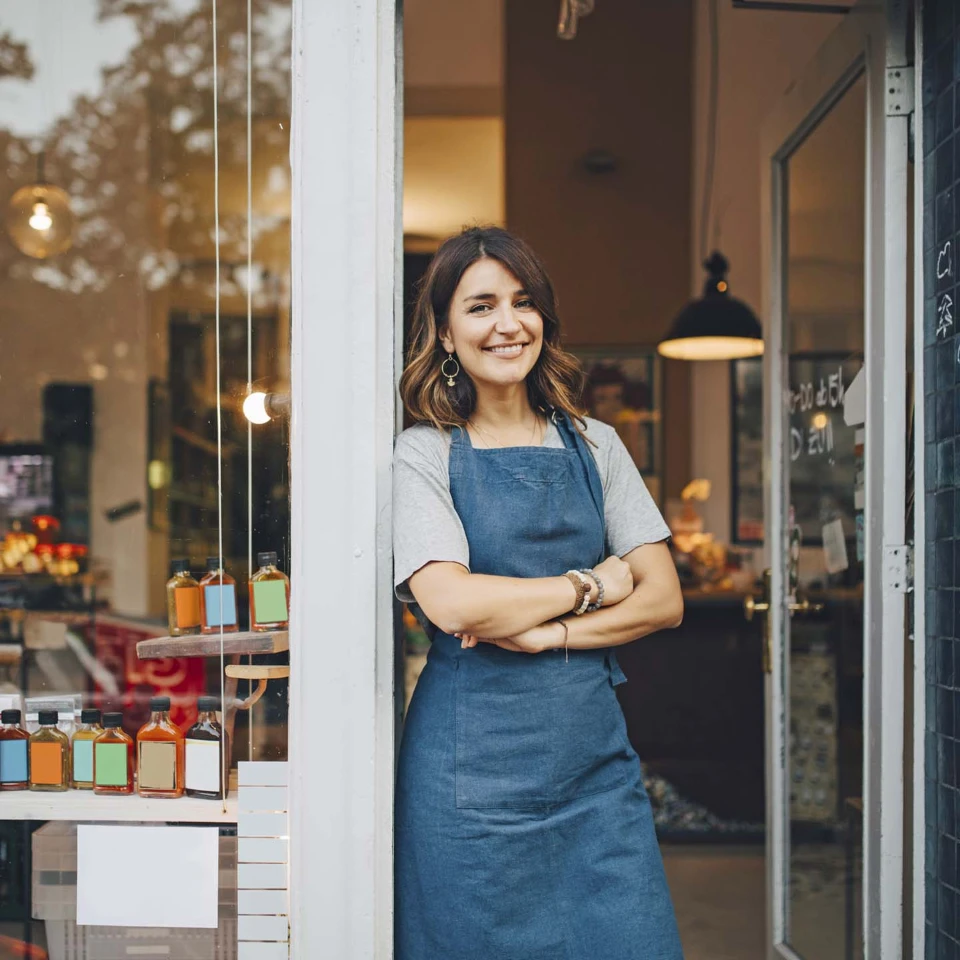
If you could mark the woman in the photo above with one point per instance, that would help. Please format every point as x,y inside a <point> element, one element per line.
<point>523,831</point>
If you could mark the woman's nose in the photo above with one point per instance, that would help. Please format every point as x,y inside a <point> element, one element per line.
<point>507,321</point>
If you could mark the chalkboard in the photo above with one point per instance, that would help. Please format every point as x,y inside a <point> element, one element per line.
<point>823,456</point>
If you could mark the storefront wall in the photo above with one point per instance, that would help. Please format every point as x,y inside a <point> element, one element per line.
<point>346,254</point>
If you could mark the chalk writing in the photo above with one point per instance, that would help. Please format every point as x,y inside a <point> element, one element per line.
<point>945,261</point>
<point>944,315</point>
<point>808,396</point>
<point>813,436</point>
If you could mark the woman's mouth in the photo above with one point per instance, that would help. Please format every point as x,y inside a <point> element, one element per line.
<point>506,350</point>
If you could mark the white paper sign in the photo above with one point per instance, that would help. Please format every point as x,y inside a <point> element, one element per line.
<point>147,876</point>
<point>834,547</point>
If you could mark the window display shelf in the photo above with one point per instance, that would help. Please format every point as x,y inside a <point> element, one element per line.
<point>85,806</point>
<point>208,645</point>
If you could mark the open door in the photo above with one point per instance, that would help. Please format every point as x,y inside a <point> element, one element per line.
<point>835,194</point>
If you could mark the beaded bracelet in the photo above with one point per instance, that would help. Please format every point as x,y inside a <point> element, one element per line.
<point>599,601</point>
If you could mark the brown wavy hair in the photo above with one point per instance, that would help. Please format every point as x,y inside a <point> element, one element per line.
<point>554,383</point>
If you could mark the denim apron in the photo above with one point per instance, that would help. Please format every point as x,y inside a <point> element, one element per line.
<point>523,831</point>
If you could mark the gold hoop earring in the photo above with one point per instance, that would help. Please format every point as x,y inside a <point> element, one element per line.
<point>451,377</point>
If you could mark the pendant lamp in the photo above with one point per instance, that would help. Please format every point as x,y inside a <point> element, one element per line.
<point>715,327</point>
<point>39,220</point>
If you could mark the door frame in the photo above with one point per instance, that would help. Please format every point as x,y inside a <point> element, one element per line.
<point>865,42</point>
<point>346,250</point>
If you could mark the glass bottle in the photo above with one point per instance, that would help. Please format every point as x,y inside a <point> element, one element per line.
<point>217,590</point>
<point>269,595</point>
<point>113,757</point>
<point>13,752</point>
<point>49,755</point>
<point>183,600</point>
<point>160,753</point>
<point>81,750</point>
<point>205,746</point>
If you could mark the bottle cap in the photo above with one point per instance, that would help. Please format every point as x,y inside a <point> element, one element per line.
<point>10,716</point>
<point>208,704</point>
<point>180,566</point>
<point>213,563</point>
<point>267,559</point>
<point>113,720</point>
<point>46,717</point>
<point>159,703</point>
<point>90,716</point>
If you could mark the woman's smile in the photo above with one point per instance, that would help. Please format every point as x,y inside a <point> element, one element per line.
<point>507,350</point>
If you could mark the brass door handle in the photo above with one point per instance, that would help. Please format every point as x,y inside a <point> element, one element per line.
<point>752,607</point>
<point>804,606</point>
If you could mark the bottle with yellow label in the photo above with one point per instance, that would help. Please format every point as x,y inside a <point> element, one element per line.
<point>183,600</point>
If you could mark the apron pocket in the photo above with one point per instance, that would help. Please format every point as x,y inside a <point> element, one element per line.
<point>533,746</point>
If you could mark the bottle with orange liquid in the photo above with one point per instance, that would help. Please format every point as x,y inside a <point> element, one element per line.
<point>113,757</point>
<point>269,595</point>
<point>160,753</point>
<point>183,600</point>
<point>49,755</point>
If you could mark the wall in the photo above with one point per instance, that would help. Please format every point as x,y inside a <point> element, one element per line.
<point>760,53</point>
<point>617,244</point>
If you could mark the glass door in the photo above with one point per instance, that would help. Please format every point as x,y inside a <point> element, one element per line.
<point>830,209</point>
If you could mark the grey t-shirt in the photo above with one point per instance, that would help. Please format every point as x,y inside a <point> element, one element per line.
<point>426,526</point>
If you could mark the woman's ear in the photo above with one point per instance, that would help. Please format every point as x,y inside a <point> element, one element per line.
<point>445,339</point>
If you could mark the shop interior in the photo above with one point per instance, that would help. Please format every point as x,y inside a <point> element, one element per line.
<point>613,153</point>
<point>133,334</point>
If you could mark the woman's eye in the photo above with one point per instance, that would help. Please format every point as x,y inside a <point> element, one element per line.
<point>480,308</point>
<point>526,303</point>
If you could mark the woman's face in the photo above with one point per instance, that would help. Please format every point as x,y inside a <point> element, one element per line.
<point>493,326</point>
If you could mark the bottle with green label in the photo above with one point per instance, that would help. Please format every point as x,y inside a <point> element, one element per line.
<point>81,773</point>
<point>269,595</point>
<point>113,757</point>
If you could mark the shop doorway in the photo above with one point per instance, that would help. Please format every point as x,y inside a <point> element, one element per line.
<point>835,220</point>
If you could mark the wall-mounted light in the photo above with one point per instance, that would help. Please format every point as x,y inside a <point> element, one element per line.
<point>39,219</point>
<point>262,407</point>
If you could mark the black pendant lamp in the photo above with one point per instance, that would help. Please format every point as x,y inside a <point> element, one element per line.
<point>715,327</point>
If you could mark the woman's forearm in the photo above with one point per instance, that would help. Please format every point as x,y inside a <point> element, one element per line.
<point>651,607</point>
<point>489,606</point>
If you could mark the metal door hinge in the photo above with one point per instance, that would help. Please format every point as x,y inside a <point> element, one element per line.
<point>899,92</point>
<point>898,568</point>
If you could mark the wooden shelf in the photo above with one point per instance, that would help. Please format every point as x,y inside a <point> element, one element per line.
<point>208,645</point>
<point>85,806</point>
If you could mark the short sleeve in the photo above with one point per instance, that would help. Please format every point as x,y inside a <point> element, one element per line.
<point>426,526</point>
<point>631,515</point>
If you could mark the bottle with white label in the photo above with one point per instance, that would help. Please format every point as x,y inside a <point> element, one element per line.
<point>205,741</point>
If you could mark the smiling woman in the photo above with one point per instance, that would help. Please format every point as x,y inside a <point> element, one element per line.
<point>521,529</point>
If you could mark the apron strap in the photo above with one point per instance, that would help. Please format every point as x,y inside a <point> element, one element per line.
<point>573,440</point>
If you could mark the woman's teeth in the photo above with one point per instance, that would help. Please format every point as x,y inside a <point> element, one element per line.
<point>513,350</point>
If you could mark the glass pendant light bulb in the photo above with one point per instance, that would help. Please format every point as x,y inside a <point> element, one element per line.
<point>40,219</point>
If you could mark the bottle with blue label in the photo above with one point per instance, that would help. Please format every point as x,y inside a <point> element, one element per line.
<point>14,773</point>
<point>81,754</point>
<point>218,599</point>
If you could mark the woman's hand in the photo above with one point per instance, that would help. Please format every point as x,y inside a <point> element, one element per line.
<point>617,580</point>
<point>547,636</point>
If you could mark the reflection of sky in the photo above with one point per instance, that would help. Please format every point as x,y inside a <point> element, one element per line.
<point>69,48</point>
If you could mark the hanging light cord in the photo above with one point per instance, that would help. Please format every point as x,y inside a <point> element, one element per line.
<point>224,782</point>
<point>711,151</point>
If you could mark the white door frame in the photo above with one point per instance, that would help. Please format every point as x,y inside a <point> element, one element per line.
<point>346,250</point>
<point>866,41</point>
